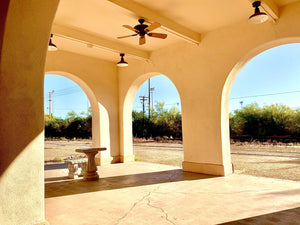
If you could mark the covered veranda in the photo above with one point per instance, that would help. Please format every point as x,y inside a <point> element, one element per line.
<point>208,43</point>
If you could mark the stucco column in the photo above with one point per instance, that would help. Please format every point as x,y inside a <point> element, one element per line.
<point>103,137</point>
<point>24,40</point>
<point>126,142</point>
<point>204,151</point>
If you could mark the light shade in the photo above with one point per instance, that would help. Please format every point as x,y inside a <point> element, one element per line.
<point>122,63</point>
<point>258,17</point>
<point>51,46</point>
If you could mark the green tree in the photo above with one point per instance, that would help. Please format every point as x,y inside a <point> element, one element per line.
<point>72,126</point>
<point>162,122</point>
<point>54,127</point>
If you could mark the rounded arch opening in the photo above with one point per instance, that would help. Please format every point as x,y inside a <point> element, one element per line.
<point>128,107</point>
<point>100,117</point>
<point>228,86</point>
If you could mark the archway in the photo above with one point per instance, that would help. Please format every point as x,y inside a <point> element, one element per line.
<point>128,107</point>
<point>228,85</point>
<point>100,117</point>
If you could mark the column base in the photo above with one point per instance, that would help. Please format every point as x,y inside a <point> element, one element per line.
<point>104,161</point>
<point>91,176</point>
<point>127,158</point>
<point>114,159</point>
<point>207,168</point>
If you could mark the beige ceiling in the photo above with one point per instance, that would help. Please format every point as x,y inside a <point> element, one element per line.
<point>99,22</point>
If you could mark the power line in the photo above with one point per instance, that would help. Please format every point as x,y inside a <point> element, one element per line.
<point>65,93</point>
<point>66,89</point>
<point>136,105</point>
<point>176,103</point>
<point>279,93</point>
<point>69,108</point>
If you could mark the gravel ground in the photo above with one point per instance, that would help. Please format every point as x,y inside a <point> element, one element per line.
<point>282,162</point>
<point>56,151</point>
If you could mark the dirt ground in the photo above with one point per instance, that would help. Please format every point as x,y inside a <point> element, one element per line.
<point>56,151</point>
<point>282,162</point>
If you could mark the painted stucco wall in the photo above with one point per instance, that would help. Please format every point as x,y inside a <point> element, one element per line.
<point>200,73</point>
<point>24,39</point>
<point>101,79</point>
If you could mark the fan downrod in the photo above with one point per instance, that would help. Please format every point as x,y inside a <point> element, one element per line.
<point>141,21</point>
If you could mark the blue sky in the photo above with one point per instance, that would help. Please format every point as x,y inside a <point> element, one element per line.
<point>164,91</point>
<point>269,74</point>
<point>67,96</point>
<point>276,70</point>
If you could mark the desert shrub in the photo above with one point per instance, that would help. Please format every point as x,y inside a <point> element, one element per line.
<point>273,120</point>
<point>73,126</point>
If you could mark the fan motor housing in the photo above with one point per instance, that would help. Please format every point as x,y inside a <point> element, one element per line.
<point>141,28</point>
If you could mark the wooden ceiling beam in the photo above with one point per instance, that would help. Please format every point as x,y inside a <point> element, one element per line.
<point>97,41</point>
<point>152,16</point>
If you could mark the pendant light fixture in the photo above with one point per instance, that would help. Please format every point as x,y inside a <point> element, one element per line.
<point>122,63</point>
<point>51,46</point>
<point>258,16</point>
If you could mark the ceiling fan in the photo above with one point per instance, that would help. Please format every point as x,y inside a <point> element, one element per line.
<point>143,29</point>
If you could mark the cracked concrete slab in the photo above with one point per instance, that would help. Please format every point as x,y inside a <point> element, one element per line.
<point>144,193</point>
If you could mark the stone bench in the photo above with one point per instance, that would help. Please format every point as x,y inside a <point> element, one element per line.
<point>91,169</point>
<point>73,162</point>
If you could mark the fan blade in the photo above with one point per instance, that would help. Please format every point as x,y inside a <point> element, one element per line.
<point>158,35</point>
<point>142,40</point>
<point>152,26</point>
<point>127,36</point>
<point>130,28</point>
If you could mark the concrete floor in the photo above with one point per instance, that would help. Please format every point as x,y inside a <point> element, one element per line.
<point>143,193</point>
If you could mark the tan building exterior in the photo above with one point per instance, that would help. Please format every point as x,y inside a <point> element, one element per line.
<point>202,60</point>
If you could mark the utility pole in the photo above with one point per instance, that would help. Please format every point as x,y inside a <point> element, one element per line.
<point>149,98</point>
<point>241,102</point>
<point>143,99</point>
<point>152,90</point>
<point>50,95</point>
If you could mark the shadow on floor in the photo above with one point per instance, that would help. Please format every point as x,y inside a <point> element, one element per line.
<point>55,166</point>
<point>72,187</point>
<point>57,179</point>
<point>290,216</point>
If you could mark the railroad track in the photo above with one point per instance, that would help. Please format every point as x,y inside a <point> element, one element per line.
<point>285,153</point>
<point>273,153</point>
